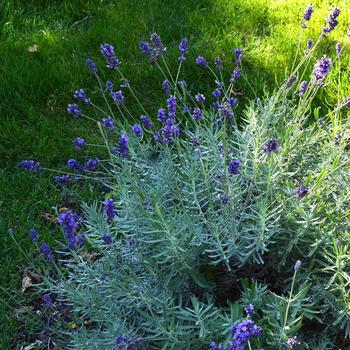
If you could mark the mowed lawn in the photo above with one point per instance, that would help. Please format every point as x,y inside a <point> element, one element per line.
<point>43,47</point>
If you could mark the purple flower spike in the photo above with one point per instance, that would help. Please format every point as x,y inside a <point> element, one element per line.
<point>91,65</point>
<point>321,69</point>
<point>200,98</point>
<point>107,50</point>
<point>307,14</point>
<point>183,47</point>
<point>47,299</point>
<point>107,239</point>
<point>147,123</point>
<point>34,235</point>
<point>249,310</point>
<point>235,75</point>
<point>74,110</point>
<point>292,342</point>
<point>47,252</point>
<point>218,63</point>
<point>79,143</point>
<point>201,61</point>
<point>108,123</point>
<point>92,164</point>
<point>331,21</point>
<point>271,146</point>
<point>137,130</point>
<point>29,164</point>
<point>303,88</point>
<point>197,114</point>
<point>166,87</point>
<point>238,55</point>
<point>233,166</point>
<point>123,145</point>
<point>301,191</point>
<point>110,209</point>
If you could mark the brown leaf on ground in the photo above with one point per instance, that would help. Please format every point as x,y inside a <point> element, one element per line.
<point>26,283</point>
<point>33,48</point>
<point>50,217</point>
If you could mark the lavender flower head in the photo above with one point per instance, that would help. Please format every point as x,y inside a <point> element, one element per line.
<point>91,65</point>
<point>224,198</point>
<point>233,166</point>
<point>201,61</point>
<point>171,104</point>
<point>162,116</point>
<point>216,93</point>
<point>183,47</point>
<point>235,75</point>
<point>213,346</point>
<point>136,128</point>
<point>108,123</point>
<point>271,146</point>
<point>107,50</point>
<point>29,164</point>
<point>197,114</point>
<point>307,14</point>
<point>301,191</point>
<point>309,44</point>
<point>166,87</point>
<point>47,252</point>
<point>62,179</point>
<point>170,131</point>
<point>118,97</point>
<point>79,143</point>
<point>199,97</point>
<point>225,110</point>
<point>123,145</point>
<point>109,85</point>
<point>331,21</point>
<point>74,164</point>
<point>73,109</point>
<point>303,88</point>
<point>110,209</point>
<point>34,235</point>
<point>218,63</point>
<point>338,49</point>
<point>292,342</point>
<point>158,45</point>
<point>249,309</point>
<point>146,122</point>
<point>107,239</point>
<point>290,81</point>
<point>321,69</point>
<point>69,221</point>
<point>81,96</point>
<point>238,55</point>
<point>92,164</point>
<point>47,299</point>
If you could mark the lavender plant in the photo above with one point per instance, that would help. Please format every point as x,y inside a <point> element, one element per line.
<point>194,245</point>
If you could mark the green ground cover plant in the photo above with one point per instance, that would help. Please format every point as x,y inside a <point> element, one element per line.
<point>45,46</point>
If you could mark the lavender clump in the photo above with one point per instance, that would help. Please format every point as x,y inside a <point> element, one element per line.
<point>81,96</point>
<point>29,164</point>
<point>47,252</point>
<point>183,47</point>
<point>201,61</point>
<point>302,88</point>
<point>91,65</point>
<point>146,122</point>
<point>123,145</point>
<point>271,146</point>
<point>166,87</point>
<point>136,128</point>
<point>233,166</point>
<point>301,191</point>
<point>79,143</point>
<point>73,109</point>
<point>107,50</point>
<point>108,123</point>
<point>331,21</point>
<point>34,235</point>
<point>321,69</point>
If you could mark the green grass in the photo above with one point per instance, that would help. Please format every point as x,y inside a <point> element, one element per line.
<point>36,87</point>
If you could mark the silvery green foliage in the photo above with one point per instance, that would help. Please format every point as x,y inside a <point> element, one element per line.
<point>171,229</point>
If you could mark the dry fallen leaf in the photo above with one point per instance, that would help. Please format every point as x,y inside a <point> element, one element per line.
<point>50,217</point>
